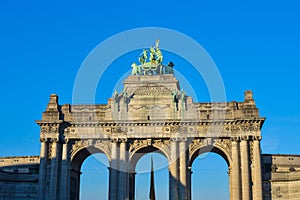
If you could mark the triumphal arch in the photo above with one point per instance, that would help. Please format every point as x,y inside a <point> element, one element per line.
<point>151,114</point>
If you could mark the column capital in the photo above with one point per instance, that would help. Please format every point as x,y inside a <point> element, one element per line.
<point>66,140</point>
<point>123,140</point>
<point>174,139</point>
<point>43,139</point>
<point>182,139</point>
<point>114,140</point>
<point>244,138</point>
<point>256,138</point>
<point>54,140</point>
<point>235,139</point>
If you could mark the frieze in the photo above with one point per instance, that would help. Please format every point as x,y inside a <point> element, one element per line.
<point>89,108</point>
<point>116,129</point>
<point>49,129</point>
<point>152,90</point>
<point>250,127</point>
<point>174,129</point>
<point>149,107</point>
<point>235,128</point>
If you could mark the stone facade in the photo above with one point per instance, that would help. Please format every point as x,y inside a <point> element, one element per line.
<point>281,176</point>
<point>151,114</point>
<point>19,177</point>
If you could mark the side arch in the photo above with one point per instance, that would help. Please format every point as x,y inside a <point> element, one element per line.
<point>80,153</point>
<point>215,148</point>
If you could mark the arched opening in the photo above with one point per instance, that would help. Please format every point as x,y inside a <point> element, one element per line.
<point>94,178</point>
<point>209,179</point>
<point>89,174</point>
<point>141,165</point>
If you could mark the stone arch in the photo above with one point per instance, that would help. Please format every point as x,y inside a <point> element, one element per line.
<point>82,149</point>
<point>79,153</point>
<point>218,148</point>
<point>215,148</point>
<point>142,147</point>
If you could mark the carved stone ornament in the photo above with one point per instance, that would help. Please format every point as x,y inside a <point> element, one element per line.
<point>136,144</point>
<point>197,144</point>
<point>235,128</point>
<point>79,144</point>
<point>162,144</point>
<point>104,145</point>
<point>49,129</point>
<point>225,144</point>
<point>250,127</point>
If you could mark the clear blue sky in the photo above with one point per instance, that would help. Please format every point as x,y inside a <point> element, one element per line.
<point>255,45</point>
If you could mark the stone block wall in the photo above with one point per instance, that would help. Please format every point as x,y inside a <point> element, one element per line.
<point>281,176</point>
<point>19,177</point>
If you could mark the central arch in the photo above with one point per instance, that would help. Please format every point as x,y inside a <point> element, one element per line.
<point>134,159</point>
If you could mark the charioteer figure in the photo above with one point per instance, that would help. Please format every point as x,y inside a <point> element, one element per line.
<point>153,66</point>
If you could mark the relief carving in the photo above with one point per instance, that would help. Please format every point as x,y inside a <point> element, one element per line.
<point>250,127</point>
<point>136,144</point>
<point>79,144</point>
<point>225,144</point>
<point>104,144</point>
<point>49,130</point>
<point>196,144</point>
<point>164,144</point>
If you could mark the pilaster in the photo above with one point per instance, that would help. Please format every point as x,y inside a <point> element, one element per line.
<point>257,177</point>
<point>245,172</point>
<point>43,168</point>
<point>235,178</point>
<point>65,172</point>
<point>53,185</point>
<point>113,172</point>
<point>182,169</point>
<point>173,170</point>
<point>123,168</point>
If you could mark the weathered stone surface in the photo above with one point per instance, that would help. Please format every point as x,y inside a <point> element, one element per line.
<point>281,176</point>
<point>19,177</point>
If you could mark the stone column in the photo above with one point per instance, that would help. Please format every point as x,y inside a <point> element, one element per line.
<point>65,172</point>
<point>245,169</point>
<point>113,172</point>
<point>173,171</point>
<point>189,183</point>
<point>54,170</point>
<point>229,182</point>
<point>132,185</point>
<point>43,169</point>
<point>235,170</point>
<point>257,177</point>
<point>183,170</point>
<point>122,181</point>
